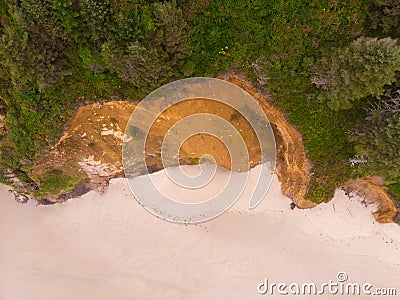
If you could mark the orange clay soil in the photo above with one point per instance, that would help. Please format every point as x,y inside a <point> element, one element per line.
<point>198,145</point>
<point>373,192</point>
<point>292,165</point>
<point>89,152</point>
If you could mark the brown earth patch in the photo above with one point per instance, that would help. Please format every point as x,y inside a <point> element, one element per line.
<point>373,192</point>
<point>198,145</point>
<point>89,152</point>
<point>292,165</point>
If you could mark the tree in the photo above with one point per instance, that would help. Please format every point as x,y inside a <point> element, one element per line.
<point>149,50</point>
<point>145,67</point>
<point>362,69</point>
<point>172,33</point>
<point>130,25</point>
<point>95,14</point>
<point>31,47</point>
<point>384,17</point>
<point>378,140</point>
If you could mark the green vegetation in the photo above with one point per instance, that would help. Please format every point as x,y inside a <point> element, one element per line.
<point>55,182</point>
<point>395,189</point>
<point>57,54</point>
<point>357,71</point>
<point>135,132</point>
<point>378,140</point>
<point>383,18</point>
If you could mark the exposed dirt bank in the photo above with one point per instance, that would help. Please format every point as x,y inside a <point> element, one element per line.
<point>292,166</point>
<point>89,152</point>
<point>373,192</point>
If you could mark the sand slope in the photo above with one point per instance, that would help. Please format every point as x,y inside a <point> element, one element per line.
<point>109,247</point>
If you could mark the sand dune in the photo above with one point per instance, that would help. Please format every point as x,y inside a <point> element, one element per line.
<point>109,247</point>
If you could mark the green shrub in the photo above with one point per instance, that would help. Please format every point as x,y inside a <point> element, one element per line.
<point>362,69</point>
<point>56,182</point>
<point>135,132</point>
<point>378,140</point>
<point>383,17</point>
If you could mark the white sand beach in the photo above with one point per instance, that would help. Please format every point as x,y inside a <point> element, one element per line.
<point>109,247</point>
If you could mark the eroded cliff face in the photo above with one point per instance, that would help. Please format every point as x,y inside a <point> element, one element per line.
<point>373,191</point>
<point>292,166</point>
<point>89,152</point>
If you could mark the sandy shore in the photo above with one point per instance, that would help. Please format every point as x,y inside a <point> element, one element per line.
<point>109,247</point>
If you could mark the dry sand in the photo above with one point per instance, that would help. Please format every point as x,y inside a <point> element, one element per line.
<point>109,247</point>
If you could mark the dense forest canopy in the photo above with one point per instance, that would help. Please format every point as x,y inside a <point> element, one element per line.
<point>325,63</point>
